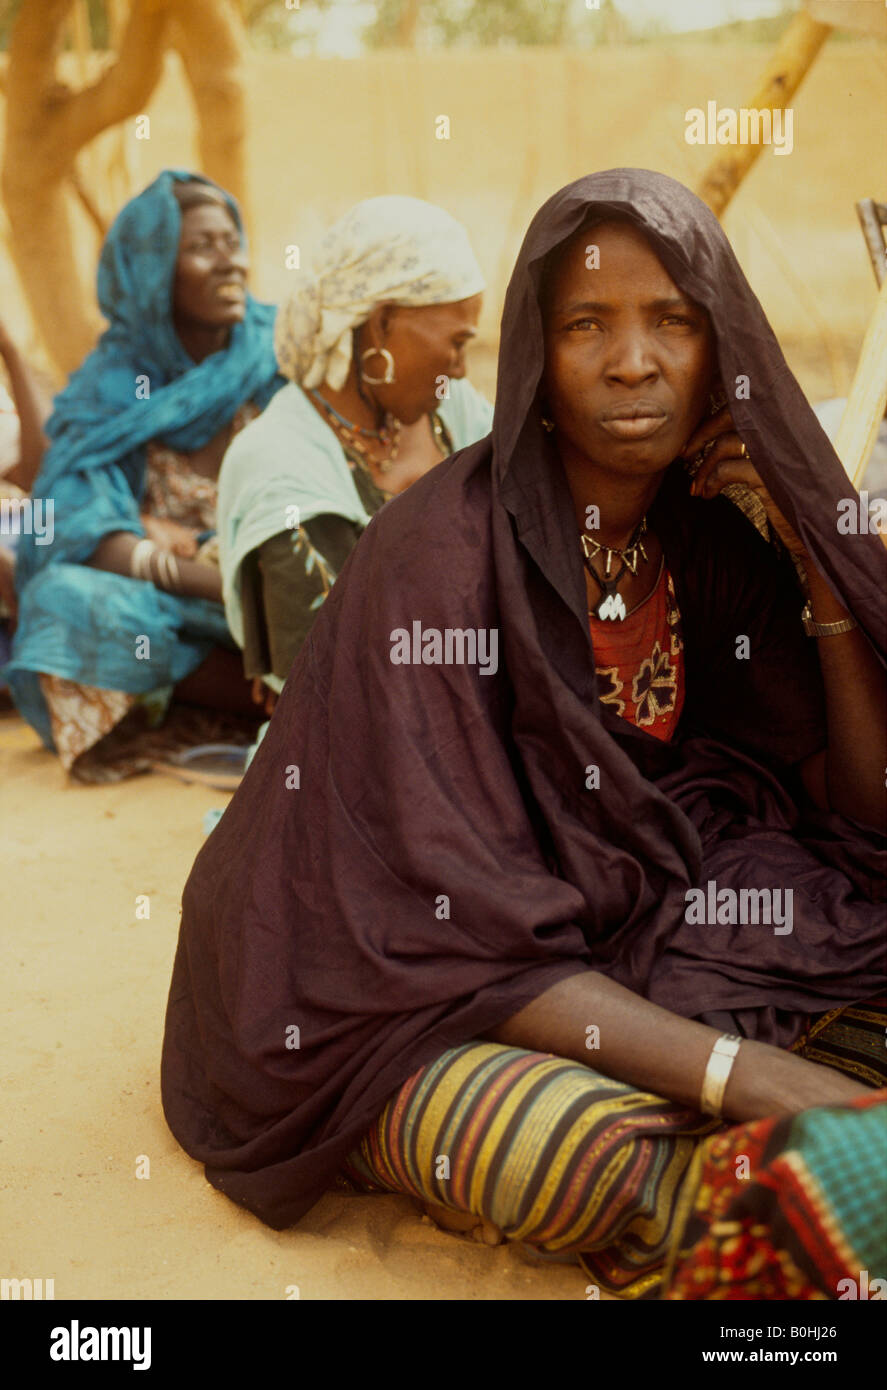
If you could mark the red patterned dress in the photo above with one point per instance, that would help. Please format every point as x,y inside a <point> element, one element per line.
<point>640,661</point>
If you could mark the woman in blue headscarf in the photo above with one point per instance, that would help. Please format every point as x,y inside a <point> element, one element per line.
<point>119,598</point>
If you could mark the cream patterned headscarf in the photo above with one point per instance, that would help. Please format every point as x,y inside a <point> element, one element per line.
<point>390,249</point>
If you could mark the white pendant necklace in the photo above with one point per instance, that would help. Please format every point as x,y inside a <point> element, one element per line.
<point>611,603</point>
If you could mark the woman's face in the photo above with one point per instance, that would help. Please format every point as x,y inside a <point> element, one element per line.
<point>428,346</point>
<point>209,289</point>
<point>629,360</point>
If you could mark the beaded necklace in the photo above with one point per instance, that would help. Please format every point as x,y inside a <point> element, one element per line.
<point>350,433</point>
<point>611,603</point>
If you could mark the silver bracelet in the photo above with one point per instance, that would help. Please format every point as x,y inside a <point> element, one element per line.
<point>717,1073</point>
<point>140,559</point>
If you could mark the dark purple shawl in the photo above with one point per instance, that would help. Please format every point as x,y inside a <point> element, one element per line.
<point>319,908</point>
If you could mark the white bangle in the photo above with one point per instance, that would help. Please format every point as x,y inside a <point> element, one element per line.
<point>717,1073</point>
<point>175,574</point>
<point>165,564</point>
<point>140,559</point>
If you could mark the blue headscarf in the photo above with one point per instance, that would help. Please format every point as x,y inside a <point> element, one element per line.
<point>94,469</point>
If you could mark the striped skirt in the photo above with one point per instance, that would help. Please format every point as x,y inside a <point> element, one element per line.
<point>546,1152</point>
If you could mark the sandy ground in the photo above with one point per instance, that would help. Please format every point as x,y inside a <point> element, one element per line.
<point>82,1022</point>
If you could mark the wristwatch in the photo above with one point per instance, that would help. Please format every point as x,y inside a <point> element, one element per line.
<point>814,629</point>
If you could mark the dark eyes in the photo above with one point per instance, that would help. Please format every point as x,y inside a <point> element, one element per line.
<point>667,318</point>
<point>206,244</point>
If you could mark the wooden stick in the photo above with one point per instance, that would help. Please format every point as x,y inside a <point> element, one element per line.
<point>872,217</point>
<point>791,60</point>
<point>867,401</point>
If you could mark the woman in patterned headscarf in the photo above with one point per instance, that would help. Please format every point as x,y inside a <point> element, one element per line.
<point>373,343</point>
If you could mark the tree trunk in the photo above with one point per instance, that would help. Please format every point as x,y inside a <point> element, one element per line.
<point>47,124</point>
<point>208,35</point>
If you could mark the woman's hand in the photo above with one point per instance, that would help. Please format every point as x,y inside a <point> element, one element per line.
<point>7,584</point>
<point>654,1050</point>
<point>768,1081</point>
<point>171,535</point>
<point>727,462</point>
<point>263,696</point>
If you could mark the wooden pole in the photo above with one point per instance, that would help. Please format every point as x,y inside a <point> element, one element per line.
<point>123,169</point>
<point>791,60</point>
<point>867,401</point>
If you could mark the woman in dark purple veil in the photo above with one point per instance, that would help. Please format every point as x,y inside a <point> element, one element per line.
<point>565,846</point>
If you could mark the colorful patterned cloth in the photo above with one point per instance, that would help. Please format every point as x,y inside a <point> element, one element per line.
<point>789,1208</point>
<point>640,661</point>
<point>550,1153</point>
<point>851,1040</point>
<point>546,1150</point>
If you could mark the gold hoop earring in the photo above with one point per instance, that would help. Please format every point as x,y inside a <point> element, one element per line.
<point>388,376</point>
<point>547,425</point>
